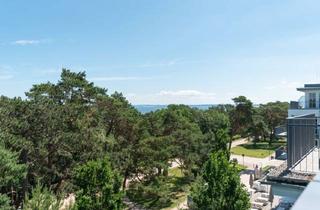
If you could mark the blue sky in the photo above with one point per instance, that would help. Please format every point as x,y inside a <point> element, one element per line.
<point>166,51</point>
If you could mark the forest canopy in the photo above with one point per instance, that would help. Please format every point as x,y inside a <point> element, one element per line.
<point>73,137</point>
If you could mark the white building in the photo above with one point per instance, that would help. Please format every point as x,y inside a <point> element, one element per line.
<point>311,103</point>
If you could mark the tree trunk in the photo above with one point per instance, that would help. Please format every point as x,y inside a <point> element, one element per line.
<point>124,182</point>
<point>229,149</point>
<point>271,137</point>
<point>110,128</point>
<point>230,143</point>
<point>159,171</point>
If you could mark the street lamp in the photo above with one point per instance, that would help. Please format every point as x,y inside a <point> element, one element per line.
<point>243,159</point>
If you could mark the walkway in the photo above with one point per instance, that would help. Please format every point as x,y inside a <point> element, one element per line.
<point>239,142</point>
<point>250,162</point>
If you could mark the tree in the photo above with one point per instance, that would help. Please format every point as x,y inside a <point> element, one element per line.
<point>240,117</point>
<point>42,199</point>
<point>179,124</point>
<point>155,152</point>
<point>258,128</point>
<point>56,128</point>
<point>11,176</point>
<point>275,114</point>
<point>99,186</point>
<point>219,186</point>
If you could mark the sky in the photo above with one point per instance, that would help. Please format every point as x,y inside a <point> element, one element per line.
<point>165,51</point>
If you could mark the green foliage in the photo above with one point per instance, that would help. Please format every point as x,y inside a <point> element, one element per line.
<point>99,186</point>
<point>190,134</point>
<point>42,199</point>
<point>219,187</point>
<point>240,167</point>
<point>274,114</point>
<point>5,203</point>
<point>241,115</point>
<point>65,125</point>
<point>11,176</point>
<point>11,171</point>
<point>160,192</point>
<point>259,128</point>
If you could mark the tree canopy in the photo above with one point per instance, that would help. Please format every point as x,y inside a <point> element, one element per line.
<point>218,187</point>
<point>60,133</point>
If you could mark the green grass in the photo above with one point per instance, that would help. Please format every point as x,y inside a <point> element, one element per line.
<point>258,150</point>
<point>241,167</point>
<point>161,193</point>
<point>175,172</point>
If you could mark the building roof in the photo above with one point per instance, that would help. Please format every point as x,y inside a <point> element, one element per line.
<point>309,87</point>
<point>309,198</point>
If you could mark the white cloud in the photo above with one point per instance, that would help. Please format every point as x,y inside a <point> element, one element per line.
<point>117,78</point>
<point>185,93</point>
<point>159,64</point>
<point>24,42</point>
<point>173,97</point>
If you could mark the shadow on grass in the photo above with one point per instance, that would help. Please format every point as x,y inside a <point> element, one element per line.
<point>262,145</point>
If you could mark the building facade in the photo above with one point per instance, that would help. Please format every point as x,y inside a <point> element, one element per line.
<point>303,124</point>
<point>311,103</point>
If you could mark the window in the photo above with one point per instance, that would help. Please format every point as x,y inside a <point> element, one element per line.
<point>312,100</point>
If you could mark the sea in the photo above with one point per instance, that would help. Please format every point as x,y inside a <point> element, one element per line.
<point>145,108</point>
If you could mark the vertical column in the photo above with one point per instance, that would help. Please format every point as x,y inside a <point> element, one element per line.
<point>306,98</point>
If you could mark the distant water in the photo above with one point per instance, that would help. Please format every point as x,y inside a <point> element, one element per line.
<point>150,108</point>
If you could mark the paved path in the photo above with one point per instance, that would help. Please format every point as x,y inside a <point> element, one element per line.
<point>238,142</point>
<point>131,205</point>
<point>250,162</point>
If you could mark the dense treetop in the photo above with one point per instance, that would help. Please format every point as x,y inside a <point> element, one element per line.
<point>63,134</point>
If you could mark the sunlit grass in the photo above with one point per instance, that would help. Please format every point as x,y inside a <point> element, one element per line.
<point>258,150</point>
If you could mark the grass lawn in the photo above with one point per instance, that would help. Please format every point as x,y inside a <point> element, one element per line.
<point>258,150</point>
<point>166,193</point>
<point>241,167</point>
